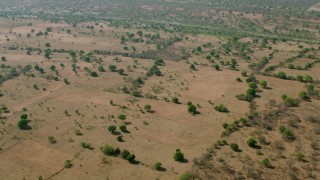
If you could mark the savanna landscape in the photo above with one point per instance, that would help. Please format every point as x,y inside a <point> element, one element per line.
<point>159,89</point>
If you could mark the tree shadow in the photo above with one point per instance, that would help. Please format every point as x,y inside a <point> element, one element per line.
<point>135,162</point>
<point>116,133</point>
<point>127,123</point>
<point>183,161</point>
<point>162,169</point>
<point>126,131</point>
<point>256,147</point>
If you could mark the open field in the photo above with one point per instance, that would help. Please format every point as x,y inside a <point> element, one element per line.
<point>239,103</point>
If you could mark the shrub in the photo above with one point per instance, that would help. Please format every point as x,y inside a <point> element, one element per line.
<point>131,158</point>
<point>175,100</point>
<point>266,163</point>
<point>123,128</point>
<point>112,129</point>
<point>251,92</point>
<point>122,116</point>
<point>245,97</point>
<point>178,155</point>
<point>86,145</point>
<point>282,75</point>
<point>119,138</point>
<point>243,121</point>
<point>252,142</point>
<point>147,107</point>
<point>112,68</point>
<point>23,124</point>
<point>121,71</point>
<point>252,85</point>
<point>263,84</point>
<point>52,140</point>
<point>289,101</point>
<point>94,74</point>
<point>108,150</point>
<point>187,176</point>
<point>192,109</point>
<point>225,125</point>
<point>67,164</point>
<point>157,166</point>
<point>24,116</point>
<point>125,153</point>
<point>288,134</point>
<point>234,147</point>
<point>300,156</point>
<point>303,95</point>
<point>221,108</point>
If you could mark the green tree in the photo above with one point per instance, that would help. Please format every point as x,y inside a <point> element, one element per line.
<point>101,69</point>
<point>157,166</point>
<point>125,153</point>
<point>234,147</point>
<point>192,109</point>
<point>175,100</point>
<point>123,128</point>
<point>178,155</point>
<point>23,124</point>
<point>263,84</point>
<point>266,163</point>
<point>282,75</point>
<point>252,142</point>
<point>303,95</point>
<point>121,71</point>
<point>147,107</point>
<point>131,158</point>
<point>112,68</point>
<point>112,129</point>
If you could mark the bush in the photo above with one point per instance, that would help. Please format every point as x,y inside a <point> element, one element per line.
<point>67,164</point>
<point>125,153</point>
<point>263,84</point>
<point>147,107</point>
<point>221,108</point>
<point>192,109</point>
<point>23,124</point>
<point>112,129</point>
<point>94,74</point>
<point>178,155</point>
<point>234,147</point>
<point>108,150</point>
<point>266,163</point>
<point>282,75</point>
<point>288,134</point>
<point>112,68</point>
<point>252,85</point>
<point>175,100</point>
<point>86,145</point>
<point>187,176</point>
<point>131,158</point>
<point>252,142</point>
<point>123,128</point>
<point>24,116</point>
<point>251,92</point>
<point>245,97</point>
<point>157,166</point>
<point>52,140</point>
<point>289,101</point>
<point>122,116</point>
<point>300,156</point>
<point>303,95</point>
